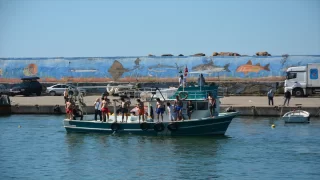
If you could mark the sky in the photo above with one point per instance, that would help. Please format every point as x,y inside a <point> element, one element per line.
<point>102,28</point>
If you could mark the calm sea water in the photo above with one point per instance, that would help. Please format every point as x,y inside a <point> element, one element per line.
<point>38,147</point>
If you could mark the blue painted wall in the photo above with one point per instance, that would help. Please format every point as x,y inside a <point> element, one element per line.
<point>144,68</point>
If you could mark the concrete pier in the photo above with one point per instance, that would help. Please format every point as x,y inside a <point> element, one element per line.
<point>246,105</point>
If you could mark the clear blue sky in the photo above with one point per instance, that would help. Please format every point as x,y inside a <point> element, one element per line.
<point>70,28</point>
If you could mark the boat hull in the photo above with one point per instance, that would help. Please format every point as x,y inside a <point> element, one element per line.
<point>296,119</point>
<point>203,127</point>
<point>298,116</point>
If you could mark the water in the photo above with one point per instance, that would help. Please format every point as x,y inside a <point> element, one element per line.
<point>251,149</point>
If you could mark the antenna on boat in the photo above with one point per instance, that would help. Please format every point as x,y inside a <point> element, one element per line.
<point>154,92</point>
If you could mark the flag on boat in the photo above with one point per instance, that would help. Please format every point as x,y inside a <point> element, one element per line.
<point>186,72</point>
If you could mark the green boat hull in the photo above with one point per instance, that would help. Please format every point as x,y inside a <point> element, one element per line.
<point>202,127</point>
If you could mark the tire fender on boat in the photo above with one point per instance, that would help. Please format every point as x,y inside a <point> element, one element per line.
<point>158,127</point>
<point>183,95</point>
<point>144,126</point>
<point>173,126</point>
<point>57,109</point>
<point>115,126</point>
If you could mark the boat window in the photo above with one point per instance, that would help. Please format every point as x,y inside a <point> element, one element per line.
<point>202,106</point>
<point>291,75</point>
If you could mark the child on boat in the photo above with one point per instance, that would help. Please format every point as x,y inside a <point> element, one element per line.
<point>171,112</point>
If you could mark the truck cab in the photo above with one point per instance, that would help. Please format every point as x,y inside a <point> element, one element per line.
<point>303,80</point>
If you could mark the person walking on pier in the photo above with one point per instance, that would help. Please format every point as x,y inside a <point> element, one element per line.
<point>140,107</point>
<point>287,96</point>
<point>159,109</point>
<point>270,97</point>
<point>97,109</point>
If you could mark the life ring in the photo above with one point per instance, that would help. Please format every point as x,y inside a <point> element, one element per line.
<point>144,126</point>
<point>173,127</point>
<point>70,92</point>
<point>158,127</point>
<point>115,126</point>
<point>73,92</point>
<point>183,95</point>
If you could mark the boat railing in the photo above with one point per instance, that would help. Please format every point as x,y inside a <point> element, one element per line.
<point>222,91</point>
<point>147,92</point>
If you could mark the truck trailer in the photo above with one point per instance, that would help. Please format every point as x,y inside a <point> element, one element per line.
<point>303,80</point>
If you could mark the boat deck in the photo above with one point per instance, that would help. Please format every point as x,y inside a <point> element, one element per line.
<point>135,119</point>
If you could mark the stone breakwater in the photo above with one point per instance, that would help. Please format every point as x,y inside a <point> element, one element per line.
<point>246,105</point>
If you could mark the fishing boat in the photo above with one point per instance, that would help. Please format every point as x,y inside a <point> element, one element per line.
<point>296,116</point>
<point>200,124</point>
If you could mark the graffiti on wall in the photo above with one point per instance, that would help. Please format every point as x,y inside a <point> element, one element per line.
<point>151,69</point>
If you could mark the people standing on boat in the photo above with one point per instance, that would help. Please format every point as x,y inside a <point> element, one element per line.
<point>171,112</point>
<point>124,108</point>
<point>69,108</point>
<point>181,79</point>
<point>212,104</point>
<point>77,113</point>
<point>104,108</point>
<point>159,109</point>
<point>201,80</point>
<point>151,112</point>
<point>97,109</point>
<point>270,97</point>
<point>104,94</point>
<point>179,105</point>
<point>140,106</point>
<point>65,95</point>
<point>190,108</point>
<point>287,96</point>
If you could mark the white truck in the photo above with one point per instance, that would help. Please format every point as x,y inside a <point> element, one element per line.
<point>303,80</point>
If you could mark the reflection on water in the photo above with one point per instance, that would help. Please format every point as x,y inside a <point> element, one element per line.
<point>250,149</point>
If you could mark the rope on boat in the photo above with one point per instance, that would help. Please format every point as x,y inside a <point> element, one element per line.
<point>281,111</point>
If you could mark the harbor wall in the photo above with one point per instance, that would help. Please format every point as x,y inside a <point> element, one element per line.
<point>151,68</point>
<point>243,110</point>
